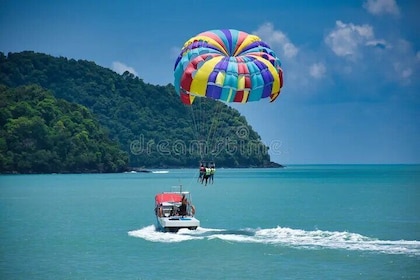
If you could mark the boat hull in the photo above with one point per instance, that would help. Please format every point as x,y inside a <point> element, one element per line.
<point>175,223</point>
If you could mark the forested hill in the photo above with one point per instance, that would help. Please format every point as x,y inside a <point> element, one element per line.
<point>149,122</point>
<point>40,134</point>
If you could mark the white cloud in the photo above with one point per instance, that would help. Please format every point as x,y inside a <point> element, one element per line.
<point>120,68</point>
<point>382,44</point>
<point>394,59</point>
<point>346,39</point>
<point>403,71</point>
<point>317,70</point>
<point>406,73</point>
<point>382,7</point>
<point>405,61</point>
<point>277,40</point>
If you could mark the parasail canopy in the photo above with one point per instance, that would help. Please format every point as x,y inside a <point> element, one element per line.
<point>227,65</point>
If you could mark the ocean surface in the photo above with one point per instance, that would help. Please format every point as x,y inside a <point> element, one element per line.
<point>300,222</point>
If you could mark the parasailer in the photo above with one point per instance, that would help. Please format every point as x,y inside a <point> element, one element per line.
<point>212,171</point>
<point>201,173</point>
<point>225,65</point>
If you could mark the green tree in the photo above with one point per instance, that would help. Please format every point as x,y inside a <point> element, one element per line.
<point>42,135</point>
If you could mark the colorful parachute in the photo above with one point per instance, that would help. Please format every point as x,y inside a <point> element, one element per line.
<point>228,65</point>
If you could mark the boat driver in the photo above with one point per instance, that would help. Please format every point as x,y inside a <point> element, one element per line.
<point>183,208</point>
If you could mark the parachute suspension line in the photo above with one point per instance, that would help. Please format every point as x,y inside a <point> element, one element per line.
<point>212,139</point>
<point>214,123</point>
<point>195,126</point>
<point>188,183</point>
<point>202,126</point>
<point>202,116</point>
<point>205,126</point>
<point>194,120</point>
<point>192,180</point>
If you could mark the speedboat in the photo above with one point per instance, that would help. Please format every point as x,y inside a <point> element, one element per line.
<point>169,214</point>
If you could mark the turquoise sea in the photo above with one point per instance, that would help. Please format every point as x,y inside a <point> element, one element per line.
<point>300,222</point>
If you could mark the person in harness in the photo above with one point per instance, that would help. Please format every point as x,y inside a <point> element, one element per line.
<point>202,172</point>
<point>206,175</point>
<point>212,171</point>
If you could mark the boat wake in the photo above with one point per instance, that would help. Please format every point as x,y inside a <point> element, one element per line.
<point>287,237</point>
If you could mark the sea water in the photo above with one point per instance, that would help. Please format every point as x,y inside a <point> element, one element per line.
<point>299,222</point>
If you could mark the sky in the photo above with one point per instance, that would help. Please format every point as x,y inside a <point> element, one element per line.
<point>351,90</point>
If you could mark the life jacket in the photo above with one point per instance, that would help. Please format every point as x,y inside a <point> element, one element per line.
<point>208,171</point>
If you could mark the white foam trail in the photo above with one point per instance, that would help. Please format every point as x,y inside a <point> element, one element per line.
<point>335,240</point>
<point>295,238</point>
<point>150,233</point>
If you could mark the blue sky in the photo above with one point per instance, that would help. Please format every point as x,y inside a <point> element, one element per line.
<point>352,86</point>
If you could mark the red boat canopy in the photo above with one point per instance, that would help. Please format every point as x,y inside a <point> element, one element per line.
<point>167,197</point>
